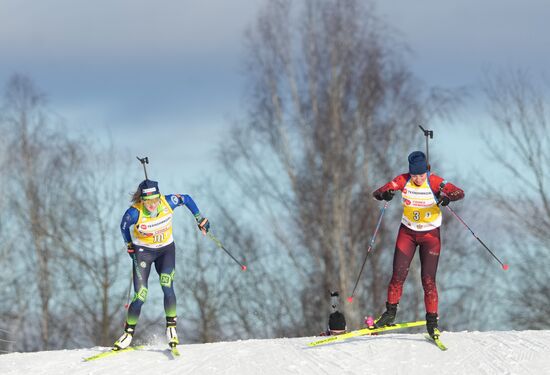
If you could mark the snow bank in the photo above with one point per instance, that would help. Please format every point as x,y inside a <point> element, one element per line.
<point>525,352</point>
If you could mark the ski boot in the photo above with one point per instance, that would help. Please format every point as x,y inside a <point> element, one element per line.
<point>388,317</point>
<point>431,325</point>
<point>171,333</point>
<point>126,339</point>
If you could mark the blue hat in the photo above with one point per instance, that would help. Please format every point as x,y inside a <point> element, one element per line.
<point>149,189</point>
<point>417,163</point>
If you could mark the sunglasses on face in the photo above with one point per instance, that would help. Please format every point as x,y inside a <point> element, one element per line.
<point>151,202</point>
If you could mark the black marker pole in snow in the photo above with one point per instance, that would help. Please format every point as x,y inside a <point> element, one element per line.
<point>334,300</point>
<point>371,246</point>
<point>144,161</point>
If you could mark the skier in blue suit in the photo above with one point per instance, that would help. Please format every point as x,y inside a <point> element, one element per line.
<point>151,242</point>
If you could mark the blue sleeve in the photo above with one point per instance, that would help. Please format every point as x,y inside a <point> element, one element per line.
<point>130,218</point>
<point>176,200</point>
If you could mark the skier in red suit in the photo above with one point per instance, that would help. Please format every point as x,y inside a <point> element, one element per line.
<point>422,195</point>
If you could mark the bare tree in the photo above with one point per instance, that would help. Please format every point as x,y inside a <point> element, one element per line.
<point>97,291</point>
<point>69,248</point>
<point>24,114</point>
<point>7,277</point>
<point>519,143</point>
<point>332,108</point>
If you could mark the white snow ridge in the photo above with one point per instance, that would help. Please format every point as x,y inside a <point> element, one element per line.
<point>525,352</point>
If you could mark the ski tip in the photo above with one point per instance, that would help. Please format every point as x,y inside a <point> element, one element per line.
<point>243,267</point>
<point>350,299</point>
<point>505,267</point>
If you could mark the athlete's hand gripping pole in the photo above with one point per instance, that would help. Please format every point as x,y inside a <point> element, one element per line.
<point>371,246</point>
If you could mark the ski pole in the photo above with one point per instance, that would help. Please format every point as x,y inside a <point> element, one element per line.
<point>504,266</point>
<point>371,246</point>
<point>129,288</point>
<point>219,244</point>
<point>134,267</point>
<point>144,161</point>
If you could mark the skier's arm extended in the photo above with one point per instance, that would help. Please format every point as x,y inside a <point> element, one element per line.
<point>176,200</point>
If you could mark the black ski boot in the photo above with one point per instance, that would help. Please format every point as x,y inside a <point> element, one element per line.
<point>388,317</point>
<point>431,325</point>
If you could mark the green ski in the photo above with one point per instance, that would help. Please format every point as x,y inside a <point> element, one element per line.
<point>436,341</point>
<point>112,352</point>
<point>174,351</point>
<point>367,331</point>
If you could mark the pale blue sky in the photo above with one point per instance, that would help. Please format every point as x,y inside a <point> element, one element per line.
<point>171,70</point>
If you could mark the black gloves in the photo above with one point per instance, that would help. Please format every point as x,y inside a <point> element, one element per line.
<point>443,200</point>
<point>385,195</point>
<point>130,249</point>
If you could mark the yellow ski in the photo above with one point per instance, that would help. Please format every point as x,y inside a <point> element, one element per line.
<point>112,352</point>
<point>436,340</point>
<point>367,331</point>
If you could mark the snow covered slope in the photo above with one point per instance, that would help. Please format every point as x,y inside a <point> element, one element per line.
<point>526,352</point>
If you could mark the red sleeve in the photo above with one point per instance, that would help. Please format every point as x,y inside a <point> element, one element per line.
<point>398,183</point>
<point>453,192</point>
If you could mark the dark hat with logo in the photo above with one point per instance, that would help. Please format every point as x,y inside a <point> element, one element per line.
<point>149,189</point>
<point>417,163</point>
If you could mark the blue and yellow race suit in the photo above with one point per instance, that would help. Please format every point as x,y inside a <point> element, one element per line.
<point>153,243</point>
